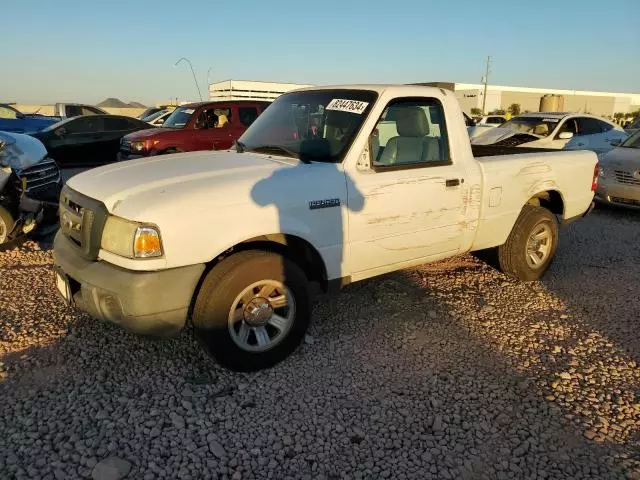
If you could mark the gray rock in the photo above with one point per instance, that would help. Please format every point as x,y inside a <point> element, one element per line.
<point>112,468</point>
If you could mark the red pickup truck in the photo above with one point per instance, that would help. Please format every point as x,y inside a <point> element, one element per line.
<point>196,126</point>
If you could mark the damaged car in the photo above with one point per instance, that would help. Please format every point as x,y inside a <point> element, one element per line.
<point>620,174</point>
<point>556,131</point>
<point>30,184</point>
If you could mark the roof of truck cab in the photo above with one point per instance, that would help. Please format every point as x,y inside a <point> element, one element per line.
<point>376,87</point>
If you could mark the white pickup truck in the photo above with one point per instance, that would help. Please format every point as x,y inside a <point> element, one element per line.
<point>329,186</point>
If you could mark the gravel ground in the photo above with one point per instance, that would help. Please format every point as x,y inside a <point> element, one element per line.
<point>449,371</point>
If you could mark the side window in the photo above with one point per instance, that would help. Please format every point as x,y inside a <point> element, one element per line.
<point>247,115</point>
<point>589,126</point>
<point>410,133</point>
<point>90,111</point>
<point>73,111</point>
<point>498,120</point>
<point>113,124</point>
<point>568,126</point>
<point>8,113</point>
<point>85,125</point>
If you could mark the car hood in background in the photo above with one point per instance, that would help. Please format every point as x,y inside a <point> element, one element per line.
<point>499,134</point>
<point>147,133</point>
<point>622,157</point>
<point>20,151</point>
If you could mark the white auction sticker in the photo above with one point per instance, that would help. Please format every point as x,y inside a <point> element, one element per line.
<point>351,106</point>
<point>188,110</point>
<point>552,120</point>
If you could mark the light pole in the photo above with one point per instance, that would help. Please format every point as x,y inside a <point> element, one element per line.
<point>194,74</point>
<point>485,80</point>
<point>208,81</point>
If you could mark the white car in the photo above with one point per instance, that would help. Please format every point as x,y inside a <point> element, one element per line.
<point>571,131</point>
<point>328,186</point>
<point>484,124</point>
<point>157,119</point>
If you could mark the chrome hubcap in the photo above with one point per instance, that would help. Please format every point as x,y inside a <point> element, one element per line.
<point>261,316</point>
<point>539,245</point>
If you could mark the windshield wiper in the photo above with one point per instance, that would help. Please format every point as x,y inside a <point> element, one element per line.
<point>281,149</point>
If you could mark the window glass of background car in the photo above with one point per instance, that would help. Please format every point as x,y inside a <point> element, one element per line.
<point>7,113</point>
<point>589,126</point>
<point>179,118</point>
<point>411,132</point>
<point>115,124</point>
<point>85,124</point>
<point>495,120</point>
<point>247,115</point>
<point>73,111</point>
<point>90,111</point>
<point>632,142</point>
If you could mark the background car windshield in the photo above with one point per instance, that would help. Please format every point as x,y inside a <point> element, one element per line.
<point>632,142</point>
<point>179,118</point>
<point>153,116</point>
<point>317,126</point>
<point>536,125</point>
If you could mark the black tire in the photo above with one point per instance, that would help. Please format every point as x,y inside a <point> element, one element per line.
<point>169,151</point>
<point>512,255</point>
<point>7,224</point>
<point>221,287</point>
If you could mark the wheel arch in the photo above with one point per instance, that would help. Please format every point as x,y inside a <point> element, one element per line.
<point>552,200</point>
<point>293,247</point>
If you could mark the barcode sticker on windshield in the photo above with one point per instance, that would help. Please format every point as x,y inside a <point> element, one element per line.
<point>351,106</point>
<point>553,120</point>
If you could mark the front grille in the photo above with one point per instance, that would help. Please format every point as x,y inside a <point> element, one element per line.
<point>626,177</point>
<point>40,175</point>
<point>125,146</point>
<point>82,220</point>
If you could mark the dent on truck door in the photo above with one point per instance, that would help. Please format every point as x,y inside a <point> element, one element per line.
<point>414,199</point>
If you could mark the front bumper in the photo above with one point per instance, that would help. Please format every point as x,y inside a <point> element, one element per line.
<point>149,303</point>
<point>614,193</point>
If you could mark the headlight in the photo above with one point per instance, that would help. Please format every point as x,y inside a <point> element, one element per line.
<point>138,146</point>
<point>130,239</point>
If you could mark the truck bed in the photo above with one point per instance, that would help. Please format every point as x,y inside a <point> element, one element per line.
<point>492,150</point>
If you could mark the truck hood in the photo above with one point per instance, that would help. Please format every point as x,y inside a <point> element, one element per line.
<point>131,188</point>
<point>147,133</point>
<point>499,134</point>
<point>20,151</point>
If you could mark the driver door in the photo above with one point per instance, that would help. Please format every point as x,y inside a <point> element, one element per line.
<point>73,142</point>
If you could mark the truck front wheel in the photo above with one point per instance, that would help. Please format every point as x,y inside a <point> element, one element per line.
<point>531,245</point>
<point>252,310</point>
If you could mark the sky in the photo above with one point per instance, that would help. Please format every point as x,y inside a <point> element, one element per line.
<point>88,50</point>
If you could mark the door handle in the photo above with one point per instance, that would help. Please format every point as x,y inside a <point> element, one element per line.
<point>454,182</point>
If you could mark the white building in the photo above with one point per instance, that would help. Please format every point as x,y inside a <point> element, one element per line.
<point>249,90</point>
<point>471,96</point>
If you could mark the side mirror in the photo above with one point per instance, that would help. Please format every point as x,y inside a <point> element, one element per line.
<point>60,132</point>
<point>615,142</point>
<point>565,135</point>
<point>19,115</point>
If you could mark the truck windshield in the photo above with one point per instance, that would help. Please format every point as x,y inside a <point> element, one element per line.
<point>316,125</point>
<point>536,125</point>
<point>179,118</point>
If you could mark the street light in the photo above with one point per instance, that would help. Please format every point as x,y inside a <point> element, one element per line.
<point>194,75</point>
<point>208,81</point>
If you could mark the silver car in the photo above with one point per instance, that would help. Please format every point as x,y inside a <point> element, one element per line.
<point>619,181</point>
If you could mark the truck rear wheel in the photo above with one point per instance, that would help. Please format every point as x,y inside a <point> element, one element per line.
<point>6,225</point>
<point>252,310</point>
<point>531,245</point>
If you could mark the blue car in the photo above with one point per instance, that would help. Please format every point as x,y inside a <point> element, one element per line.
<point>11,120</point>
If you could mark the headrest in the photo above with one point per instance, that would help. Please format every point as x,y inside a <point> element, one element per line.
<point>541,129</point>
<point>412,122</point>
